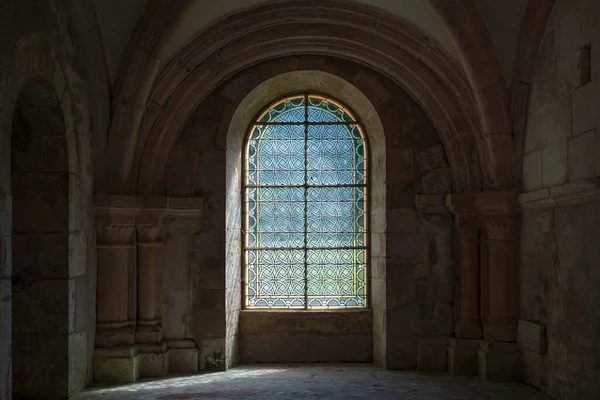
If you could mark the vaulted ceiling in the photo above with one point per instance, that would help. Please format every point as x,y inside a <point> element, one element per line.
<point>118,18</point>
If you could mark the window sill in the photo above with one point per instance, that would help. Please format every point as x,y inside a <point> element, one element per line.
<point>314,311</point>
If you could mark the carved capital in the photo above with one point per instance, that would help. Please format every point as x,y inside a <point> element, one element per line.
<point>150,234</point>
<point>502,227</point>
<point>466,215</point>
<point>467,224</point>
<point>500,214</point>
<point>115,235</point>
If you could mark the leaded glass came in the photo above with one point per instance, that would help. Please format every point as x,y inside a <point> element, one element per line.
<point>305,219</point>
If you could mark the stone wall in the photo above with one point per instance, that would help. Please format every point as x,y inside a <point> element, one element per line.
<point>306,337</point>
<point>419,279</point>
<point>559,278</point>
<point>39,41</point>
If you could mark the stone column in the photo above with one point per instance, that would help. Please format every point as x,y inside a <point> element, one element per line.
<point>500,256</point>
<point>116,268</point>
<point>130,241</point>
<point>462,350</point>
<point>499,353</point>
<point>150,240</point>
<point>154,357</point>
<point>466,230</point>
<point>115,356</point>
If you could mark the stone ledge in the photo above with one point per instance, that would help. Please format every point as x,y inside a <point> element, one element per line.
<point>334,322</point>
<point>159,206</point>
<point>582,191</point>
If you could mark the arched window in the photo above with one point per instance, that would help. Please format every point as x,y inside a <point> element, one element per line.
<point>305,209</point>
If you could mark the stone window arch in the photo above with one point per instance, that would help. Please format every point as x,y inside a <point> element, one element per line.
<point>268,92</point>
<point>305,226</point>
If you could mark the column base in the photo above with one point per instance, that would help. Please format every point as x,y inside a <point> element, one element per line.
<point>432,354</point>
<point>500,330</point>
<point>468,330</point>
<point>499,361</point>
<point>462,357</point>
<point>115,334</point>
<point>116,365</point>
<point>183,356</point>
<point>148,332</point>
<point>154,359</point>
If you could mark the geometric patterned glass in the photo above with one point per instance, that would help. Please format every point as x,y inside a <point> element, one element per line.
<point>305,207</point>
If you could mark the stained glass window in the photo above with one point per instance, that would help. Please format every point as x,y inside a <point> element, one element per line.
<point>305,219</point>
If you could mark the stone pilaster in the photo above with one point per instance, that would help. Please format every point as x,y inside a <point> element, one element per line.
<point>500,260</point>
<point>150,235</point>
<point>115,358</point>
<point>130,240</point>
<point>499,355</point>
<point>116,272</point>
<point>154,358</point>
<point>467,224</point>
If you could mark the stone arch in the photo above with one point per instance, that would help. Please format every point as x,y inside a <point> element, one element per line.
<point>391,48</point>
<point>137,71</point>
<point>40,242</point>
<point>499,108</point>
<point>34,68</point>
<point>263,94</point>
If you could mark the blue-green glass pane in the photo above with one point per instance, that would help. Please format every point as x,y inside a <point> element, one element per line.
<point>292,110</point>
<point>275,217</point>
<point>276,155</point>
<point>321,110</point>
<point>335,155</point>
<point>336,217</point>
<point>275,278</point>
<point>336,278</point>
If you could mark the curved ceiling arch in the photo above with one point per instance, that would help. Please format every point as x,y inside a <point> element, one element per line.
<point>418,13</point>
<point>338,29</point>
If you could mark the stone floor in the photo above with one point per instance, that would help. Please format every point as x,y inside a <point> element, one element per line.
<point>330,382</point>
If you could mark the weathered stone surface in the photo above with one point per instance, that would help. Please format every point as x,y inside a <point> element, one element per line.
<point>305,336</point>
<point>557,240</point>
<point>40,360</point>
<point>5,338</point>
<point>532,336</point>
<point>400,170</point>
<point>431,158</point>
<point>437,182</point>
<point>183,360</point>
<point>463,357</point>
<point>432,354</point>
<point>499,361</point>
<point>581,156</point>
<point>116,368</point>
<point>332,382</point>
<point>153,364</point>
<point>305,348</point>
<point>532,170</point>
<point>585,107</point>
<point>554,164</point>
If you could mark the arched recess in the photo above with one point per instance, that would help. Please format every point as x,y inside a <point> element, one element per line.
<point>465,22</point>
<point>44,137</point>
<point>264,94</point>
<point>82,17</point>
<point>349,31</point>
<point>40,243</point>
<point>137,71</point>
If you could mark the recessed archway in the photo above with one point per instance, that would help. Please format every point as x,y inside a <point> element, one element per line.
<point>40,244</point>
<point>265,93</point>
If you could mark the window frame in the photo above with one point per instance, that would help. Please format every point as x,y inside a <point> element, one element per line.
<point>368,206</point>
